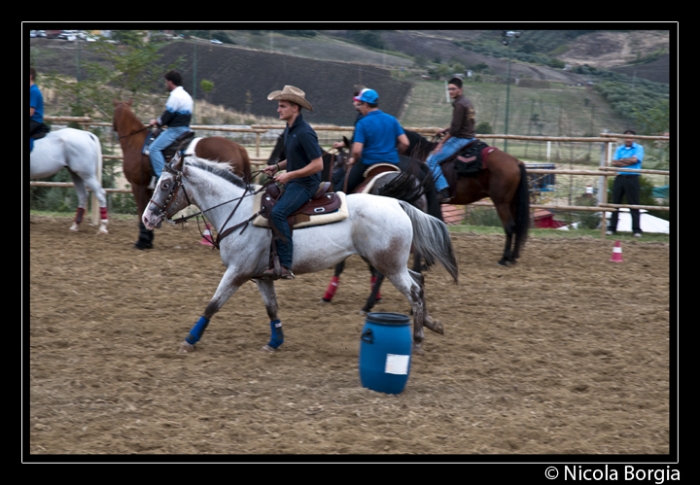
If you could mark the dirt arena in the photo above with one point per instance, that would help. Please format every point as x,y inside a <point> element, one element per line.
<point>565,353</point>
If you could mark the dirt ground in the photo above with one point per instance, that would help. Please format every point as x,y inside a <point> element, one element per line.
<point>565,353</point>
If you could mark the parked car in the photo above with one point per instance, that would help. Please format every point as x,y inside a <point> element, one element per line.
<point>32,33</point>
<point>41,33</point>
<point>216,41</point>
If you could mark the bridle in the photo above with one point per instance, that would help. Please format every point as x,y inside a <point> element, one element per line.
<point>178,183</point>
<point>133,133</point>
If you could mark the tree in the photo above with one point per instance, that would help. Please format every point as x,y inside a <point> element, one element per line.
<point>207,87</point>
<point>370,38</point>
<point>421,61</point>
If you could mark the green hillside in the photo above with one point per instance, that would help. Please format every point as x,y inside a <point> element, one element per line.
<point>555,111</point>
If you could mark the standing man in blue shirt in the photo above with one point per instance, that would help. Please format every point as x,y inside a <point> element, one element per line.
<point>629,155</point>
<point>302,175</point>
<point>36,106</point>
<point>177,116</point>
<point>378,139</point>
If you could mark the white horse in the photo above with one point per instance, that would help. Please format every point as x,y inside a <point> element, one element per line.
<point>81,154</point>
<point>379,229</point>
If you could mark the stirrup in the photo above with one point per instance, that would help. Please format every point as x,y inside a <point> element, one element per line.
<point>152,185</point>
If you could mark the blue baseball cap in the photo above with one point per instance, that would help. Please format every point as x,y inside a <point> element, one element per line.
<point>367,96</point>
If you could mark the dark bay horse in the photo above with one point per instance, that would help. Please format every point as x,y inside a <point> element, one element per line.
<point>137,166</point>
<point>503,178</point>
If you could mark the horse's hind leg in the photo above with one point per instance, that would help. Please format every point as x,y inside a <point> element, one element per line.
<point>94,185</point>
<point>374,296</point>
<point>412,288</point>
<point>509,227</point>
<point>434,325</point>
<point>267,290</point>
<point>227,287</point>
<point>82,200</point>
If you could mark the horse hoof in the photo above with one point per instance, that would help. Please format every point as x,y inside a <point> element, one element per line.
<point>267,348</point>
<point>434,325</point>
<point>74,228</point>
<point>324,301</point>
<point>186,348</point>
<point>143,245</point>
<point>417,349</point>
<point>363,312</point>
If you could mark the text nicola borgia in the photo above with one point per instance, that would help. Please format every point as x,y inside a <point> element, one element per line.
<point>657,475</point>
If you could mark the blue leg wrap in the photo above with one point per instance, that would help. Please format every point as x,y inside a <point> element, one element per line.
<point>197,331</point>
<point>277,337</point>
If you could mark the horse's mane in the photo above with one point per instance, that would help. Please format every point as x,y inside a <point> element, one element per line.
<point>127,111</point>
<point>222,169</point>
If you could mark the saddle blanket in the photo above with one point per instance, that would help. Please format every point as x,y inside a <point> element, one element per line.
<point>306,221</point>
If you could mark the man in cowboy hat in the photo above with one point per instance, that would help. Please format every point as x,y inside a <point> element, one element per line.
<point>378,139</point>
<point>303,170</point>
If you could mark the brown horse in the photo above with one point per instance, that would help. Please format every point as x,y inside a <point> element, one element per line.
<point>137,166</point>
<point>502,177</point>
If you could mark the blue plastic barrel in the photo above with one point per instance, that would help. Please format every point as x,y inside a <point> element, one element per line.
<point>385,352</point>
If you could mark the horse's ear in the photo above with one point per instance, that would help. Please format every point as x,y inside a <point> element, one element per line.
<point>177,161</point>
<point>131,100</point>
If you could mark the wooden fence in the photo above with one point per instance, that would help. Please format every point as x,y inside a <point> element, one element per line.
<point>604,170</point>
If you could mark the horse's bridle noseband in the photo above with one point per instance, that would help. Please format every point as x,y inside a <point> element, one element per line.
<point>172,193</point>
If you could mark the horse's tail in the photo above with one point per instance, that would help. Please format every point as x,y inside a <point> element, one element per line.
<point>431,239</point>
<point>98,147</point>
<point>522,211</point>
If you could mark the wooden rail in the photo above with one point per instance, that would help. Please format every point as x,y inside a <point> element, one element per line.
<point>603,171</point>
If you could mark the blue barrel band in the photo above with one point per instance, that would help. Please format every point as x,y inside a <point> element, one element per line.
<point>388,318</point>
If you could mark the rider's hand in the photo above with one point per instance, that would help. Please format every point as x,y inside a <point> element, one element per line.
<point>270,170</point>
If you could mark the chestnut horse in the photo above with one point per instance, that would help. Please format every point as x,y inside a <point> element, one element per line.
<point>137,166</point>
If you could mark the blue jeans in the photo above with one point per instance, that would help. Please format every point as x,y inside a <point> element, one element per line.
<point>161,143</point>
<point>451,146</point>
<point>294,196</point>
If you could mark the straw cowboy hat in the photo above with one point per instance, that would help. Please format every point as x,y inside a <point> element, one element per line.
<point>293,94</point>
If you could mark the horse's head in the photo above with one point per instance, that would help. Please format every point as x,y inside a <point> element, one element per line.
<point>124,118</point>
<point>167,199</point>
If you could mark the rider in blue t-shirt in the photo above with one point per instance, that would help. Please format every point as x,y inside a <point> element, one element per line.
<point>36,105</point>
<point>378,139</point>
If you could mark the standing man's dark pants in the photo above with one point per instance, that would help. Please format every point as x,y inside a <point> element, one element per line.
<point>627,185</point>
<point>295,195</point>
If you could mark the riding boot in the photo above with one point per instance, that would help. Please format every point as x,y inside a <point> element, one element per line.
<point>444,196</point>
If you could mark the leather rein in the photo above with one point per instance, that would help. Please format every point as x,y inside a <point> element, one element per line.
<point>179,183</point>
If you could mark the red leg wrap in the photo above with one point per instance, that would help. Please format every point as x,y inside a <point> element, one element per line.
<point>332,287</point>
<point>379,293</point>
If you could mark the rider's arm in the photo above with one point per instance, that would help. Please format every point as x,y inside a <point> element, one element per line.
<point>356,152</point>
<point>31,111</point>
<point>402,143</point>
<point>315,166</point>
